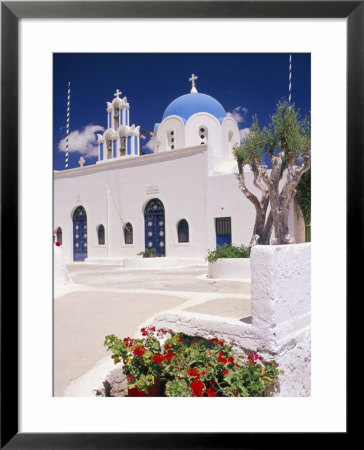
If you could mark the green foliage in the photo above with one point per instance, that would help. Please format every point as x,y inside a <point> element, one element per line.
<point>228,251</point>
<point>178,388</point>
<point>148,252</point>
<point>303,196</point>
<point>252,149</point>
<point>191,367</point>
<point>285,131</point>
<point>288,131</point>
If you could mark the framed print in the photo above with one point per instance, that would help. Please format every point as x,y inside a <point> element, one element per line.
<point>42,42</point>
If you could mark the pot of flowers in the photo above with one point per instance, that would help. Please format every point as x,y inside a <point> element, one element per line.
<point>184,366</point>
<point>148,253</point>
<point>143,361</point>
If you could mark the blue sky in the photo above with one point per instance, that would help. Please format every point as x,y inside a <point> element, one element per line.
<point>244,83</point>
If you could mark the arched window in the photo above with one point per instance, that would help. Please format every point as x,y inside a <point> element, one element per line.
<point>59,235</point>
<point>109,149</point>
<point>128,233</point>
<point>116,118</point>
<point>183,232</point>
<point>122,145</point>
<point>101,234</point>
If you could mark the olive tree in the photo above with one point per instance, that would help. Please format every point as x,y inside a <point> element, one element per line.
<point>286,142</point>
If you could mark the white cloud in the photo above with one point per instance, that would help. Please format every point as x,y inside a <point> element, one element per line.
<point>150,144</point>
<point>82,141</point>
<point>243,133</point>
<point>238,113</point>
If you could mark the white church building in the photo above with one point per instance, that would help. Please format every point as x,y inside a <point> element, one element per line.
<point>182,199</point>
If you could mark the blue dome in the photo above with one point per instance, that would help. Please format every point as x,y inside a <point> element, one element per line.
<point>189,104</point>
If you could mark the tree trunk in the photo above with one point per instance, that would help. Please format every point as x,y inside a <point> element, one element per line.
<point>262,228</point>
<point>267,231</point>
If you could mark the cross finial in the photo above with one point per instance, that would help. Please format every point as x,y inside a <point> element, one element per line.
<point>192,79</point>
<point>81,161</point>
<point>117,93</point>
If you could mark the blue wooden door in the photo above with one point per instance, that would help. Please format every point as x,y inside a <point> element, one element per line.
<point>223,231</point>
<point>154,225</point>
<point>79,234</point>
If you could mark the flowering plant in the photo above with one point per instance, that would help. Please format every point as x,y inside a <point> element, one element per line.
<point>142,357</point>
<point>191,367</point>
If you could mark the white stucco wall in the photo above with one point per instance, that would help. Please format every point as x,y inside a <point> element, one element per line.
<point>178,179</point>
<point>281,302</point>
<point>226,200</point>
<point>60,272</point>
<point>230,268</point>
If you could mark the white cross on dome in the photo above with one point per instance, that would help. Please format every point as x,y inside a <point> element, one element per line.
<point>192,79</point>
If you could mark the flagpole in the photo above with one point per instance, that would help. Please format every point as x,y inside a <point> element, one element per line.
<point>68,122</point>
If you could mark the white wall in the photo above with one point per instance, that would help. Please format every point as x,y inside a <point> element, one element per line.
<point>178,179</point>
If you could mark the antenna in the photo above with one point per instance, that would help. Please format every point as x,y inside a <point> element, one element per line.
<point>68,122</point>
<point>290,79</point>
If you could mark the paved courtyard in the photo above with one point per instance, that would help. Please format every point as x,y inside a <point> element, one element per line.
<point>107,299</point>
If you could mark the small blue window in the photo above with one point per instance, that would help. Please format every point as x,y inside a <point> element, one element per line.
<point>59,235</point>
<point>183,231</point>
<point>101,235</point>
<point>128,233</point>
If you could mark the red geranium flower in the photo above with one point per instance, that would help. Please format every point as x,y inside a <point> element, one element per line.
<point>128,341</point>
<point>167,347</point>
<point>158,358</point>
<point>226,372</point>
<point>210,392</point>
<point>221,354</point>
<point>169,356</point>
<point>194,373</point>
<point>195,342</point>
<point>222,360</point>
<point>139,350</point>
<point>197,388</point>
<point>231,359</point>
<point>180,339</point>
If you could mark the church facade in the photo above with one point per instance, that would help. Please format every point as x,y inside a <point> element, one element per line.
<point>182,199</point>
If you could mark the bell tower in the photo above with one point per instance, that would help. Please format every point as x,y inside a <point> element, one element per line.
<point>120,140</point>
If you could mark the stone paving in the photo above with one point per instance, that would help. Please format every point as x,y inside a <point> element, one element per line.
<point>111,299</point>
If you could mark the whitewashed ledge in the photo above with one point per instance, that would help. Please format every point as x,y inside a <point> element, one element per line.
<point>230,268</point>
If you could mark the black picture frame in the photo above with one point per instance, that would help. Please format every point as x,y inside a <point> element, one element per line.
<point>11,12</point>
